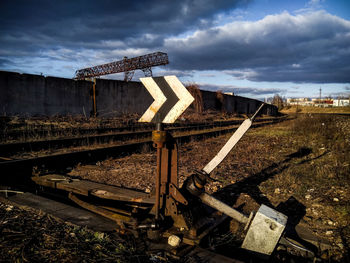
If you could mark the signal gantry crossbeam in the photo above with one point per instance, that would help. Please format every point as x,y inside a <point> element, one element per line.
<point>127,65</point>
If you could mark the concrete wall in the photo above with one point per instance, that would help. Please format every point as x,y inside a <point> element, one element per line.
<point>116,97</point>
<point>34,95</point>
<point>234,104</point>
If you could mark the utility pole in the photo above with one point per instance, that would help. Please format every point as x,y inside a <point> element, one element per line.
<point>320,94</point>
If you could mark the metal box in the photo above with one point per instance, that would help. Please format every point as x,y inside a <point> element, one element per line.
<point>265,231</point>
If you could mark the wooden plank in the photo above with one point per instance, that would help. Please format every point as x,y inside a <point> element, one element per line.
<point>86,188</point>
<point>65,212</point>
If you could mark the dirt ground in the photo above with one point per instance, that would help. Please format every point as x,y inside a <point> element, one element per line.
<point>306,160</point>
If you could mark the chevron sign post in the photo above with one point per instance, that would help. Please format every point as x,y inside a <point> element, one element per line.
<point>171,99</point>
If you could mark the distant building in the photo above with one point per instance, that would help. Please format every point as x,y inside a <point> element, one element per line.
<point>299,101</point>
<point>229,93</point>
<point>341,103</point>
<point>326,102</point>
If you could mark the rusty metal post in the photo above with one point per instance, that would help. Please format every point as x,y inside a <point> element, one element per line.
<point>93,112</point>
<point>159,138</point>
<point>94,97</point>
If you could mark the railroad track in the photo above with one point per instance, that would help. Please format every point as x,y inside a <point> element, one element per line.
<point>123,134</point>
<point>81,191</point>
<point>28,133</point>
<point>18,170</point>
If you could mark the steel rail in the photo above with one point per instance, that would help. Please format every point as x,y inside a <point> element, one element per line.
<point>44,131</point>
<point>8,149</point>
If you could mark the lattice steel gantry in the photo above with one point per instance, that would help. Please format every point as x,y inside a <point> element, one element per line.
<point>127,65</point>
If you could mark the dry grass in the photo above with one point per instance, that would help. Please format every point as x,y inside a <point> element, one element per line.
<point>31,236</point>
<point>307,158</point>
<point>310,109</point>
<point>318,175</point>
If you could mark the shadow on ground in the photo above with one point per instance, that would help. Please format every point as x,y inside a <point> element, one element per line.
<point>291,207</point>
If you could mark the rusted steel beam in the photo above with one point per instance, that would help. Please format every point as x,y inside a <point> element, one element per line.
<point>120,219</point>
<point>144,62</point>
<point>89,188</point>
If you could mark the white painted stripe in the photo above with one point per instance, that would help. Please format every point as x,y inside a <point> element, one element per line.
<point>185,99</point>
<point>158,96</point>
<point>228,146</point>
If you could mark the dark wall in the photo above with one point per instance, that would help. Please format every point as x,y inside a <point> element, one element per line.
<point>234,104</point>
<point>115,97</point>
<point>33,95</point>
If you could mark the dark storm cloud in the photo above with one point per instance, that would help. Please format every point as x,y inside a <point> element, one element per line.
<point>241,90</point>
<point>309,47</point>
<point>40,24</point>
<point>4,62</point>
<point>312,47</point>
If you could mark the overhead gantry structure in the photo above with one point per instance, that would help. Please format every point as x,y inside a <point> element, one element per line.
<point>126,65</point>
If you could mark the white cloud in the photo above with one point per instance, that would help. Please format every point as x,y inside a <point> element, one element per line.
<point>242,91</point>
<point>311,47</point>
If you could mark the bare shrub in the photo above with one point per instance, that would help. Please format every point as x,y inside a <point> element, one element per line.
<point>197,104</point>
<point>220,99</point>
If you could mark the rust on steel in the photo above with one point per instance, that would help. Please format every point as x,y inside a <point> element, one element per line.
<point>127,65</point>
<point>88,188</point>
<point>118,218</point>
<point>158,138</point>
<point>168,197</point>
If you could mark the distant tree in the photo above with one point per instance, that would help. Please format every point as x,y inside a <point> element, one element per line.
<point>277,101</point>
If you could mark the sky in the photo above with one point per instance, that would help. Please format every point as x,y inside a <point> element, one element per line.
<point>253,48</point>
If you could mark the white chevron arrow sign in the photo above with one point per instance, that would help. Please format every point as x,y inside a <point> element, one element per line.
<point>171,99</point>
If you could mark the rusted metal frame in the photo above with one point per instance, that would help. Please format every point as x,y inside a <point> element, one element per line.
<point>94,98</point>
<point>176,194</point>
<point>158,175</point>
<point>159,139</point>
<point>118,218</point>
<point>165,176</point>
<point>167,194</point>
<point>136,201</point>
<point>216,222</point>
<point>170,196</point>
<point>127,64</point>
<point>5,159</point>
<point>117,210</point>
<point>169,173</point>
<point>130,197</point>
<point>197,233</point>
